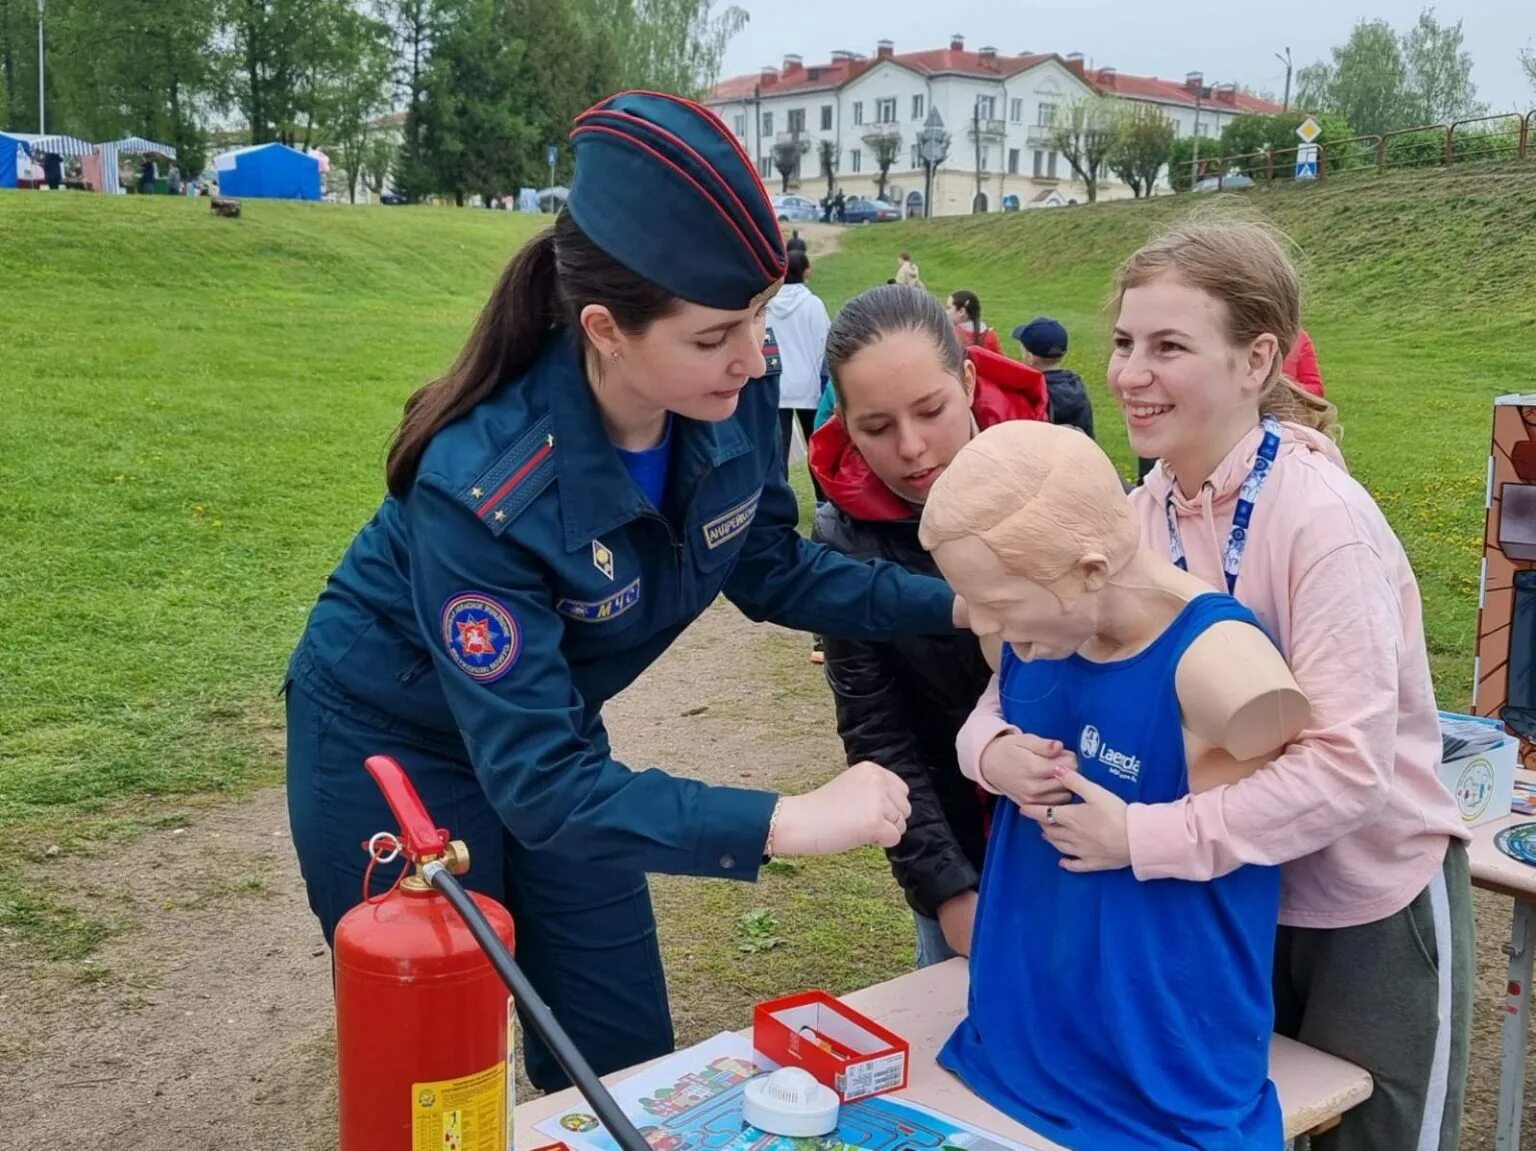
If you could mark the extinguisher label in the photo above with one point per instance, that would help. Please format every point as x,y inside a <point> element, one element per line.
<point>468,1114</point>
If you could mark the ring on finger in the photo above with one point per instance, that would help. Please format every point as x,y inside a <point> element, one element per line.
<point>1050,816</point>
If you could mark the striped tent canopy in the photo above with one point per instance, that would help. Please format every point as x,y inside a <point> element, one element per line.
<point>131,146</point>
<point>59,145</point>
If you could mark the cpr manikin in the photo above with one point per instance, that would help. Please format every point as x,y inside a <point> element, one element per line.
<point>1107,1012</point>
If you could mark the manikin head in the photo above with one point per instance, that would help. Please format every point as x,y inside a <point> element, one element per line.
<point>1029,523</point>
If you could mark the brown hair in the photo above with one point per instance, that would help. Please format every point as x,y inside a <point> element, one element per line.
<point>970,304</point>
<point>544,287</point>
<point>879,312</point>
<point>1242,263</point>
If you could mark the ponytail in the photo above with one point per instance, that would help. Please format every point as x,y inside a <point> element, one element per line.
<point>1291,404</point>
<point>970,304</point>
<point>545,287</point>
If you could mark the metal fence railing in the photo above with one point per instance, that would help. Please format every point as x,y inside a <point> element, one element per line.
<point>1481,139</point>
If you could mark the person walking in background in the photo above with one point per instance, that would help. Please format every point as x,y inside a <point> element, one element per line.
<point>799,322</point>
<point>1300,366</point>
<point>795,243</point>
<point>906,271</point>
<point>1045,344</point>
<point>965,314</point>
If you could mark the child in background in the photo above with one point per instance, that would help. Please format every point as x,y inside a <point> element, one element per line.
<point>1045,345</point>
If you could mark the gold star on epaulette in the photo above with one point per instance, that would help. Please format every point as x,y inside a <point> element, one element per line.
<point>477,492</point>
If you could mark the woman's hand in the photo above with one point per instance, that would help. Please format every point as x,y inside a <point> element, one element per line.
<point>865,804</point>
<point>1024,767</point>
<point>1092,834</point>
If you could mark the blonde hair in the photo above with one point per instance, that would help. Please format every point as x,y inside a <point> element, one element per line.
<point>1244,264</point>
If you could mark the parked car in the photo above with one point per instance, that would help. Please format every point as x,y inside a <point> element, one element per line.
<point>796,209</point>
<point>1227,183</point>
<point>863,211</point>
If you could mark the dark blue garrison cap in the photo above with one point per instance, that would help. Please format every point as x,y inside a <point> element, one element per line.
<point>663,187</point>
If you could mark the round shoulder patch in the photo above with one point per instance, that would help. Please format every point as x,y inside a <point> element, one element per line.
<point>481,636</point>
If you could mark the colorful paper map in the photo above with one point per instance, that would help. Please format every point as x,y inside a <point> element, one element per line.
<point>692,1102</point>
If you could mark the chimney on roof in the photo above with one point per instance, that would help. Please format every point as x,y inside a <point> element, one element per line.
<point>957,43</point>
<point>1076,57</point>
<point>1227,94</point>
<point>1194,81</point>
<point>988,56</point>
<point>885,49</point>
<point>841,56</point>
<point>769,75</point>
<point>1107,78</point>
<point>792,63</point>
<point>1075,64</point>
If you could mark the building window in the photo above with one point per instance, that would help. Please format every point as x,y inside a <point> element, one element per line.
<point>741,126</point>
<point>885,111</point>
<point>1013,161</point>
<point>858,112</point>
<point>855,160</point>
<point>1050,168</point>
<point>797,120</point>
<point>1039,164</point>
<point>918,111</point>
<point>826,117</point>
<point>1045,115</point>
<point>1016,110</point>
<point>986,107</point>
<point>917,156</point>
<point>986,160</point>
<point>767,123</point>
<point>765,167</point>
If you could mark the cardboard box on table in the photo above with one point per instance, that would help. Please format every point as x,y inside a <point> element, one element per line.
<point>849,1052</point>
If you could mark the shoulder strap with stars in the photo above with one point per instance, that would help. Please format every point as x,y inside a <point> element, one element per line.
<point>512,482</point>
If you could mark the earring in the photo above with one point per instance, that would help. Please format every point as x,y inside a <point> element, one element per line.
<point>614,354</point>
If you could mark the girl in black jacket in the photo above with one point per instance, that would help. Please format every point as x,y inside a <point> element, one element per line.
<point>909,397</point>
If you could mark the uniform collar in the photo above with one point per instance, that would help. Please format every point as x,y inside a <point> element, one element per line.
<point>595,490</point>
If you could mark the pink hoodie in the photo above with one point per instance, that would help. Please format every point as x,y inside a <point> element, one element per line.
<point>1353,808</point>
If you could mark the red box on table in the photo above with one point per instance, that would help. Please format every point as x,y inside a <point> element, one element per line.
<point>849,1052</point>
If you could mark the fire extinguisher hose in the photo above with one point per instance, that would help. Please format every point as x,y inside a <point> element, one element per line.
<point>535,1011</point>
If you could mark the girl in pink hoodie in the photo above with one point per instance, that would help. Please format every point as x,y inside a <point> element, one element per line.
<point>1374,960</point>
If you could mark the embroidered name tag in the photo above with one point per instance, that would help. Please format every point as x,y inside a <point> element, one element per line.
<point>595,611</point>
<point>729,524</point>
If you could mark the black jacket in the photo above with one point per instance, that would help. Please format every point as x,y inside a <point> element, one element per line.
<point>1069,400</point>
<point>900,703</point>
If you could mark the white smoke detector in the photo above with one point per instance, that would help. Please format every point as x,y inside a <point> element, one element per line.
<point>790,1102</point>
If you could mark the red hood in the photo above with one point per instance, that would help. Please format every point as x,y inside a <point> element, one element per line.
<point>1005,390</point>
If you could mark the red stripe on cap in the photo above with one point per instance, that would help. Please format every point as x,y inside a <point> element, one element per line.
<point>708,167</point>
<point>770,272</point>
<point>723,131</point>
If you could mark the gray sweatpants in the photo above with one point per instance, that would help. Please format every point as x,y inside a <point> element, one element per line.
<point>1394,997</point>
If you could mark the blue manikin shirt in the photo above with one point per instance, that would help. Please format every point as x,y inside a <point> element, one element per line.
<point>648,468</point>
<point>1106,1013</point>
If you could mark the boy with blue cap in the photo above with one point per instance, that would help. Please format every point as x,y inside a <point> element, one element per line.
<point>597,467</point>
<point>1045,346</point>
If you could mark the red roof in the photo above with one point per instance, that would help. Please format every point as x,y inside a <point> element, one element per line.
<point>839,72</point>
<point>955,60</point>
<point>1175,92</point>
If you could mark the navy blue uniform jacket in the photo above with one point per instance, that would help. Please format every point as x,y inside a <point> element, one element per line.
<point>525,579</point>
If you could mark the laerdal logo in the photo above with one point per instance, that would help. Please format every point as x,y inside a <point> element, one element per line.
<point>1090,745</point>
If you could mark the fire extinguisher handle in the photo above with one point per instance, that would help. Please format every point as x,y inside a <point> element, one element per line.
<point>418,836</point>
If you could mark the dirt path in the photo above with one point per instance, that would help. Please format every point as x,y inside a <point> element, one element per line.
<point>205,1021</point>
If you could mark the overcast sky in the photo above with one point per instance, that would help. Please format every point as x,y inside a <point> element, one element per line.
<point>1229,40</point>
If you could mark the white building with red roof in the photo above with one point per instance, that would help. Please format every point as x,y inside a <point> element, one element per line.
<point>998,110</point>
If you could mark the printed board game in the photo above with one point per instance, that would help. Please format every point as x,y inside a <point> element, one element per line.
<point>692,1102</point>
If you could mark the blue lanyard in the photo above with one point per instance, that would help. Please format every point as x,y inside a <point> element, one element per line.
<point>1242,515</point>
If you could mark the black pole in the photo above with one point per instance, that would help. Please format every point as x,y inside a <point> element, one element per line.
<point>535,1011</point>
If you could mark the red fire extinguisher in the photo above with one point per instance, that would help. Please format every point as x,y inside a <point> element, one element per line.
<point>423,1019</point>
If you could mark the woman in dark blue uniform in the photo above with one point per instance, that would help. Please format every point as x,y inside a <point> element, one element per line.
<point>599,464</point>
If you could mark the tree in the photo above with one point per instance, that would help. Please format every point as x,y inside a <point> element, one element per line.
<point>378,159</point>
<point>884,149</point>
<point>1528,62</point>
<point>786,157</point>
<point>827,157</point>
<point>666,45</point>
<point>1143,144</point>
<point>1246,138</point>
<point>1085,133</point>
<point>352,87</point>
<point>415,25</point>
<point>1439,72</point>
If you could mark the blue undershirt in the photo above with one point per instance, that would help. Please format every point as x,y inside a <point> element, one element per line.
<point>648,468</point>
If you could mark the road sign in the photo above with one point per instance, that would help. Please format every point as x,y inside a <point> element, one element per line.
<point>1309,131</point>
<point>1306,161</point>
<point>554,154</point>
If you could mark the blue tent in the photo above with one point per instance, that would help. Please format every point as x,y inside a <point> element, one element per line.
<point>10,146</point>
<point>268,171</point>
